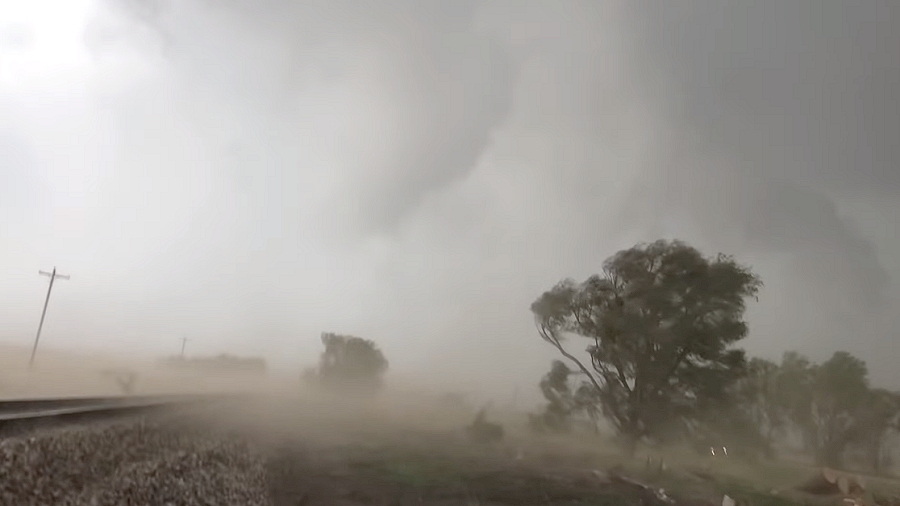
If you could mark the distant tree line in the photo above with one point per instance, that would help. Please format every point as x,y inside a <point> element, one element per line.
<point>659,364</point>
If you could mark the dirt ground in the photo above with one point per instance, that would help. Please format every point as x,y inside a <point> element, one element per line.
<point>409,447</point>
<point>355,474</point>
<point>354,465</point>
<point>414,451</point>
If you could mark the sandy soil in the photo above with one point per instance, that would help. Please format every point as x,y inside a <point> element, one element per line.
<point>413,450</point>
<point>73,373</point>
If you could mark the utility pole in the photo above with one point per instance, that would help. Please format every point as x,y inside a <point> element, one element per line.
<point>53,275</point>
<point>183,342</point>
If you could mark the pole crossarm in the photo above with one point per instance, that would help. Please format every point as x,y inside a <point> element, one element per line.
<point>50,274</point>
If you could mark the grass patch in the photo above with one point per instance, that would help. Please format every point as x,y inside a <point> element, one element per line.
<point>410,469</point>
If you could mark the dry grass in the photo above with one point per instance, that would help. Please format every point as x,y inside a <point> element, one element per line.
<point>413,437</point>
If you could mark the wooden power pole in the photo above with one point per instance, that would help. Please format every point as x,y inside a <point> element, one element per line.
<point>53,275</point>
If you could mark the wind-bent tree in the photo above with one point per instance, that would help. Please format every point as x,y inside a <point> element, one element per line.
<point>879,417</point>
<point>660,322</point>
<point>794,384</point>
<point>350,364</point>
<point>761,402</point>
<point>833,407</point>
<point>840,387</point>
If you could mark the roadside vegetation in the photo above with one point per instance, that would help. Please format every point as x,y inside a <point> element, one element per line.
<point>649,359</point>
<point>656,360</point>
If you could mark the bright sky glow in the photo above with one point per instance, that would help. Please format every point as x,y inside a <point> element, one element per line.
<point>51,36</point>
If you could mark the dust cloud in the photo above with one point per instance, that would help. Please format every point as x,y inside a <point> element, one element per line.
<point>62,373</point>
<point>250,174</point>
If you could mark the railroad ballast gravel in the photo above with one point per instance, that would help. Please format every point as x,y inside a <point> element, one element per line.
<point>131,462</point>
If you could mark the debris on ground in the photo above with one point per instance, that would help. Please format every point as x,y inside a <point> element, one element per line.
<point>832,482</point>
<point>882,500</point>
<point>656,466</point>
<point>657,493</point>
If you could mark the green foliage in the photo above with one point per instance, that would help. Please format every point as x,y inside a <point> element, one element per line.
<point>660,322</point>
<point>880,414</point>
<point>841,381</point>
<point>349,364</point>
<point>760,385</point>
<point>795,386</point>
<point>835,409</point>
<point>567,401</point>
<point>839,388</point>
<point>555,387</point>
<point>758,413</point>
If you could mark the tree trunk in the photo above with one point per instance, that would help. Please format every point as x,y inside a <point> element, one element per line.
<point>875,455</point>
<point>629,445</point>
<point>832,455</point>
<point>630,436</point>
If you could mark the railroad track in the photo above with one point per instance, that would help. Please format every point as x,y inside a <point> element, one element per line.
<point>24,414</point>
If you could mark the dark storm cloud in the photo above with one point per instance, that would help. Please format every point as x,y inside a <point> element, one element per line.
<point>805,90</point>
<point>777,110</point>
<point>498,139</point>
<point>446,86</point>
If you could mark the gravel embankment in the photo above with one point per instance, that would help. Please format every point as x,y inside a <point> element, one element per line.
<point>136,462</point>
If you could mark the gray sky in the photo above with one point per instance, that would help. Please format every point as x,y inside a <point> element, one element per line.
<point>250,174</point>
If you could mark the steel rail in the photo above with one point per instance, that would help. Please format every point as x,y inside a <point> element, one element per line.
<point>34,404</point>
<point>26,413</point>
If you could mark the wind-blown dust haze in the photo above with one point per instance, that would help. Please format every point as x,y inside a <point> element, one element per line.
<point>250,174</point>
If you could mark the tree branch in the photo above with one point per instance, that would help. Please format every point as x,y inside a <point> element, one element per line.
<point>617,364</point>
<point>551,338</point>
<point>679,359</point>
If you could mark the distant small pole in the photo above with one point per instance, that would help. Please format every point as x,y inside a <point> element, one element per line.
<point>53,275</point>
<point>183,342</point>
